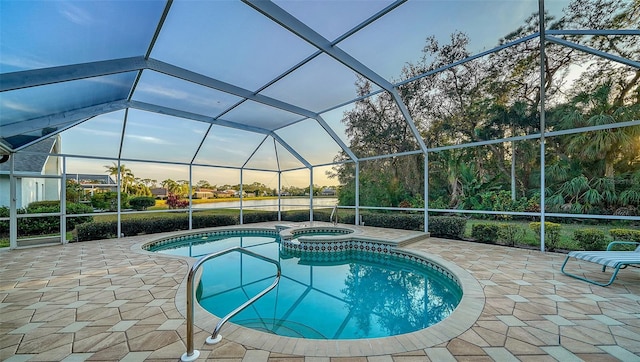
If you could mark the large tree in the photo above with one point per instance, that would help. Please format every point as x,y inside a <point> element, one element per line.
<point>498,96</point>
<point>126,176</point>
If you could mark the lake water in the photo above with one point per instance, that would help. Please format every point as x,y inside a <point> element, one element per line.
<point>297,203</point>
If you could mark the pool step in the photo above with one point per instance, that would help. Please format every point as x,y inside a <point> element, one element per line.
<point>412,239</point>
<point>281,328</point>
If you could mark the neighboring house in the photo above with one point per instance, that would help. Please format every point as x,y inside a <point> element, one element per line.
<point>160,193</point>
<point>227,193</point>
<point>92,183</point>
<point>202,193</point>
<point>328,191</point>
<point>28,168</point>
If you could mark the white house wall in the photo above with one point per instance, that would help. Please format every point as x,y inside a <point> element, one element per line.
<point>4,190</point>
<point>53,166</point>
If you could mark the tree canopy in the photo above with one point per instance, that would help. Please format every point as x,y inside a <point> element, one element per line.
<point>496,97</point>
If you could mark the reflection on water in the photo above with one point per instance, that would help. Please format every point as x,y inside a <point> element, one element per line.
<point>337,296</point>
<point>296,203</point>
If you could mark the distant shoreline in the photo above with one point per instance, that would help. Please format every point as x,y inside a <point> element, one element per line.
<point>161,204</point>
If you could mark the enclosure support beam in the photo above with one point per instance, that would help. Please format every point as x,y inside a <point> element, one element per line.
<point>589,50</point>
<point>63,119</point>
<point>119,188</point>
<point>310,194</point>
<point>542,123</point>
<point>335,137</point>
<point>426,192</point>
<point>289,22</point>
<point>37,77</point>
<point>279,195</point>
<point>63,203</point>
<point>241,196</point>
<point>13,205</point>
<point>190,197</point>
<point>357,191</point>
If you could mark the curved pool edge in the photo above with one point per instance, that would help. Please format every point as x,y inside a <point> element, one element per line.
<point>461,319</point>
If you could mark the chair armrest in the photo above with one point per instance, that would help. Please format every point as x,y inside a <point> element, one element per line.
<point>613,243</point>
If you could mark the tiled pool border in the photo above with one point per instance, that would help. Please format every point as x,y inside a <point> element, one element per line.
<point>462,318</point>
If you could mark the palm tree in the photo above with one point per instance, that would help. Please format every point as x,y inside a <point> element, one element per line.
<point>603,148</point>
<point>125,175</point>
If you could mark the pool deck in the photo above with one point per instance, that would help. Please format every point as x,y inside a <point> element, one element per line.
<point>104,300</point>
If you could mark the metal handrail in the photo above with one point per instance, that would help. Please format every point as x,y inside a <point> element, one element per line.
<point>192,354</point>
<point>334,211</point>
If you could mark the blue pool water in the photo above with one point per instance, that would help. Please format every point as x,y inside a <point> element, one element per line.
<point>345,295</point>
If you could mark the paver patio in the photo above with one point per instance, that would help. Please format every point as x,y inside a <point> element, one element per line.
<point>103,300</point>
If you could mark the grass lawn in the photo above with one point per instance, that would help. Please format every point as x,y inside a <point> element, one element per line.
<point>566,231</point>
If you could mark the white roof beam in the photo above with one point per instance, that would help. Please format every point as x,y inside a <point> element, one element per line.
<point>595,52</point>
<point>203,80</point>
<point>254,152</point>
<point>291,150</point>
<point>55,120</point>
<point>605,32</point>
<point>38,77</point>
<point>336,138</point>
<point>194,116</point>
<point>468,59</point>
<point>291,23</point>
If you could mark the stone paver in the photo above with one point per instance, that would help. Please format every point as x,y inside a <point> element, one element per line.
<point>107,300</point>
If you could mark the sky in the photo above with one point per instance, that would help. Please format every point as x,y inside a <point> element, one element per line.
<point>230,42</point>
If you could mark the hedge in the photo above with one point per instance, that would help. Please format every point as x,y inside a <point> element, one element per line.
<point>45,225</point>
<point>590,239</point>
<point>108,229</point>
<point>451,227</point>
<point>441,226</point>
<point>510,233</point>
<point>142,202</point>
<point>625,234</point>
<point>551,233</point>
<point>487,233</point>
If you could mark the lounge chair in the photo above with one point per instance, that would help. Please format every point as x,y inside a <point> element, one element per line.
<point>614,259</point>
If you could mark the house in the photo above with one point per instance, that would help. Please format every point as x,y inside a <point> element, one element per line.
<point>203,193</point>
<point>30,165</point>
<point>92,183</point>
<point>227,193</point>
<point>160,193</point>
<point>328,191</point>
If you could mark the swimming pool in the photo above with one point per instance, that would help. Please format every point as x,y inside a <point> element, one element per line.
<point>351,293</point>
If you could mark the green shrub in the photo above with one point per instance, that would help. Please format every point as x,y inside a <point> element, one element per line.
<point>496,201</point>
<point>551,234</point>
<point>325,215</point>
<point>109,200</point>
<point>259,216</point>
<point>75,208</point>
<point>142,202</point>
<point>132,227</point>
<point>209,221</point>
<point>295,215</point>
<point>590,239</point>
<point>44,225</point>
<point>96,230</point>
<point>485,232</point>
<point>392,221</point>
<point>447,226</point>
<point>625,234</point>
<point>46,203</point>
<point>510,233</point>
